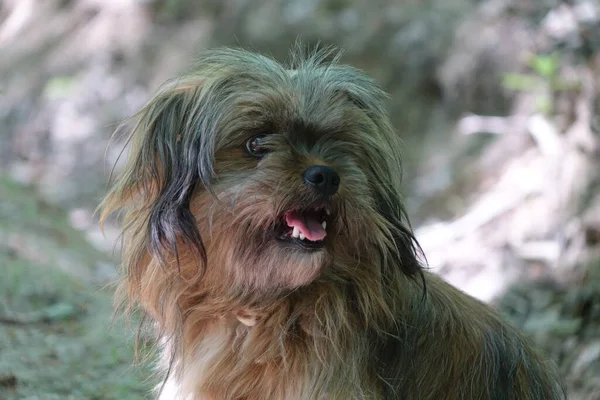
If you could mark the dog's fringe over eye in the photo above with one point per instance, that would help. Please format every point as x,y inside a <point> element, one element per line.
<point>255,146</point>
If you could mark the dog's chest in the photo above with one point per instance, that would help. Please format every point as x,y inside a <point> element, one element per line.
<point>219,362</point>
<point>226,366</point>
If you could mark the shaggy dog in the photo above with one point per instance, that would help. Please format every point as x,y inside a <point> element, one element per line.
<point>265,237</point>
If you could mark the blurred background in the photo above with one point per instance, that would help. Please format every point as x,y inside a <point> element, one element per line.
<point>497,102</point>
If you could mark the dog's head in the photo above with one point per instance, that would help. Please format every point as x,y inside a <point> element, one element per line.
<point>248,179</point>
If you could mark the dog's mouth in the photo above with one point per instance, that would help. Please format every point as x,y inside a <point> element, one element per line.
<point>305,227</point>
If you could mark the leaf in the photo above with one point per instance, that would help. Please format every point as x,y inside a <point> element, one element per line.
<point>520,82</point>
<point>545,65</point>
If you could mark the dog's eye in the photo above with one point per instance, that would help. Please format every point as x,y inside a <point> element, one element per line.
<point>256,146</point>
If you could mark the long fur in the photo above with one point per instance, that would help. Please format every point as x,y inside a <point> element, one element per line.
<point>359,319</point>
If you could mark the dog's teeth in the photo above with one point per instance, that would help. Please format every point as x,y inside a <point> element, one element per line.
<point>328,212</point>
<point>324,224</point>
<point>296,232</point>
<point>302,237</point>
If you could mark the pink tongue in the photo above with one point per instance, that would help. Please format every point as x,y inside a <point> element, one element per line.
<point>308,226</point>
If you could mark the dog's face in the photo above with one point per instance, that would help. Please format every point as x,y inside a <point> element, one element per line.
<point>266,178</point>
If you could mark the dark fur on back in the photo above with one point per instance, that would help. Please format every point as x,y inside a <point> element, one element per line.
<point>241,315</point>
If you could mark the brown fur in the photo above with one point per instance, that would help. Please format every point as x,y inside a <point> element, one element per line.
<point>242,316</point>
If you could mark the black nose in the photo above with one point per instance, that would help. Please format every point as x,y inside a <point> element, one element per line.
<point>322,178</point>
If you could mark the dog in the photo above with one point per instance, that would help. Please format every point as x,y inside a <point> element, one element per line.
<point>264,235</point>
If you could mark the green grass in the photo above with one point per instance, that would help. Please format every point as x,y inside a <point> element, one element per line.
<point>57,340</point>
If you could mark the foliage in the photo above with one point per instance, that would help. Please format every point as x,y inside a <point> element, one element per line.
<point>545,80</point>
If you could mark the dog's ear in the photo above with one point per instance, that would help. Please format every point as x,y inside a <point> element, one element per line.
<point>404,248</point>
<point>169,157</point>
<point>405,251</point>
<point>385,166</point>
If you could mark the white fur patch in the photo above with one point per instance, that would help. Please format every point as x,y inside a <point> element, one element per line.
<point>186,386</point>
